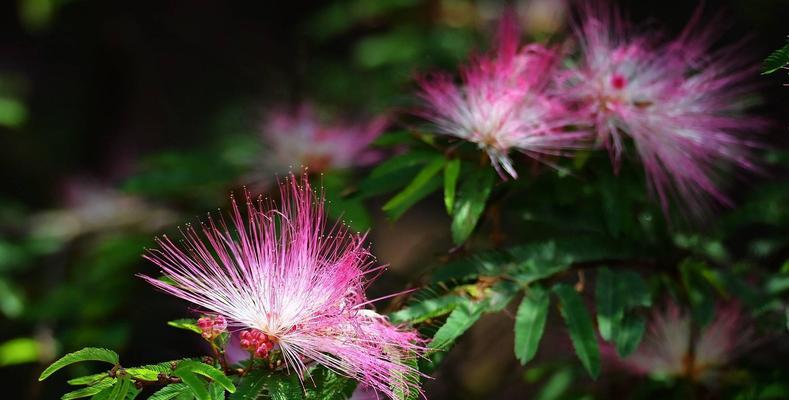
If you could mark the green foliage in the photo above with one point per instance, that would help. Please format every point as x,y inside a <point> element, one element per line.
<point>695,281</point>
<point>320,384</point>
<point>459,321</point>
<point>470,203</point>
<point>617,294</point>
<point>19,351</point>
<point>197,386</point>
<point>284,387</point>
<point>412,379</point>
<point>580,327</point>
<point>13,113</point>
<point>251,386</point>
<point>530,262</point>
<point>394,173</point>
<point>776,60</point>
<point>95,388</point>
<point>188,370</point>
<point>530,323</point>
<point>424,183</point>
<point>343,206</point>
<point>171,391</point>
<point>120,389</point>
<point>87,354</point>
<point>189,324</point>
<point>324,384</point>
<point>451,175</point>
<point>426,309</point>
<point>177,174</point>
<point>557,385</point>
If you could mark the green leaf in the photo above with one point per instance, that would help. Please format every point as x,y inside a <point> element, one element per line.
<point>198,386</point>
<point>329,385</point>
<point>284,387</point>
<point>451,173</point>
<point>579,324</point>
<point>132,393</point>
<point>120,389</point>
<point>207,371</point>
<point>188,324</point>
<point>165,367</point>
<point>216,391</point>
<point>170,392</point>
<point>422,185</point>
<point>544,258</point>
<point>610,306</point>
<point>470,203</point>
<point>86,354</point>
<point>350,210</point>
<point>175,173</point>
<point>530,323</point>
<point>13,112</point>
<point>19,351</point>
<point>143,374</point>
<point>104,394</point>
<point>392,139</point>
<point>458,322</point>
<point>489,263</point>
<point>88,379</point>
<point>634,290</point>
<point>499,296</point>
<point>426,309</point>
<point>557,385</point>
<point>251,385</point>
<point>187,395</point>
<point>699,291</point>
<point>90,390</point>
<point>777,60</point>
<point>394,173</point>
<point>411,378</point>
<point>617,294</point>
<point>629,334</point>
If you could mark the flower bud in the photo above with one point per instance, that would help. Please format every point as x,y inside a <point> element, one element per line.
<point>211,327</point>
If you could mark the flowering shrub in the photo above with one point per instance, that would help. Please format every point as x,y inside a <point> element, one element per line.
<point>582,176</point>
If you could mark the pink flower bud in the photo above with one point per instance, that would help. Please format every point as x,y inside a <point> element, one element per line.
<point>212,327</point>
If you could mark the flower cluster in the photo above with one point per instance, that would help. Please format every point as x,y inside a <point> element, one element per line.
<point>212,327</point>
<point>290,285</point>
<point>678,101</point>
<point>256,342</point>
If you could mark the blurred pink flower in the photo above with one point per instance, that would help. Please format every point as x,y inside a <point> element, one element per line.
<point>671,348</point>
<point>679,100</point>
<point>91,207</point>
<point>301,138</point>
<point>502,104</point>
<point>280,276</point>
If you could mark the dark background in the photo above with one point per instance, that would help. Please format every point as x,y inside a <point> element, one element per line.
<point>107,83</point>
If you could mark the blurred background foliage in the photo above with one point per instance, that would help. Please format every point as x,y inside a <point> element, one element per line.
<point>121,120</point>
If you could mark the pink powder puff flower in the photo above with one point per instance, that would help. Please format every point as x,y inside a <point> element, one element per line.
<point>678,100</point>
<point>502,103</point>
<point>301,138</point>
<point>291,286</point>
<point>670,348</point>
